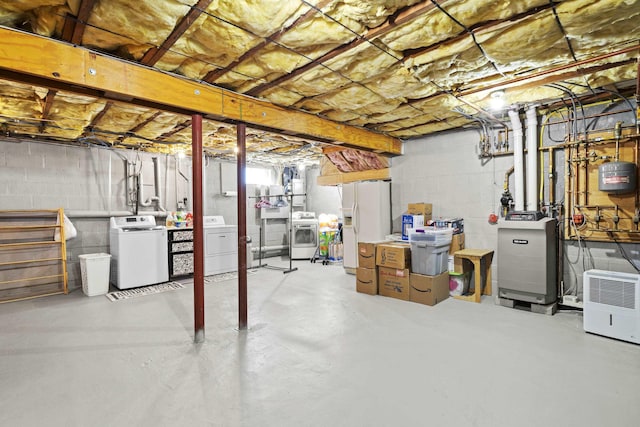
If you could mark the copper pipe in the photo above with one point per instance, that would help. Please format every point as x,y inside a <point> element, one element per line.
<point>592,116</point>
<point>638,97</point>
<point>511,82</point>
<point>637,196</point>
<point>241,130</point>
<point>198,233</point>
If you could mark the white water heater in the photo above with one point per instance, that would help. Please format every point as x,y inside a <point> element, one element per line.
<point>612,304</point>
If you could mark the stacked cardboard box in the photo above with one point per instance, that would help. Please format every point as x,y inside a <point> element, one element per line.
<point>420,209</point>
<point>385,268</point>
<point>393,261</point>
<point>367,273</point>
<point>429,290</point>
<point>417,215</point>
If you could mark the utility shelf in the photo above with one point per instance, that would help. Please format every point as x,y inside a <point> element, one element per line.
<point>33,254</point>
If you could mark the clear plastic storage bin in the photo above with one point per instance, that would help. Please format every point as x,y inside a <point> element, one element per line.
<point>95,270</point>
<point>431,236</point>
<point>429,259</point>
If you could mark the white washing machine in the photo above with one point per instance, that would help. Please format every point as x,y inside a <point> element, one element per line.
<point>304,240</point>
<point>220,245</point>
<point>139,251</point>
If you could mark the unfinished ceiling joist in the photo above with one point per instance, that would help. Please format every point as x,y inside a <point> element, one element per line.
<point>30,55</point>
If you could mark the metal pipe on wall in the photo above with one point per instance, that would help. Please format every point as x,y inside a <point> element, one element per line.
<point>156,184</point>
<point>518,158</point>
<point>198,231</point>
<point>532,159</point>
<point>241,129</point>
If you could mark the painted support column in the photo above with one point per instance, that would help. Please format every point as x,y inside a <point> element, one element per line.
<point>241,129</point>
<point>198,232</point>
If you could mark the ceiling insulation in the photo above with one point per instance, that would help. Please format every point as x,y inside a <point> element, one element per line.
<point>405,68</point>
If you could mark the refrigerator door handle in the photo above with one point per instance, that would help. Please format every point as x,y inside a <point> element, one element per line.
<point>354,217</point>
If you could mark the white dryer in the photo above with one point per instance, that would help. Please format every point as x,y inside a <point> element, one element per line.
<point>220,245</point>
<point>304,239</point>
<point>139,251</point>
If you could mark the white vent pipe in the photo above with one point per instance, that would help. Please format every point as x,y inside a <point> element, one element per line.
<point>518,159</point>
<point>532,159</point>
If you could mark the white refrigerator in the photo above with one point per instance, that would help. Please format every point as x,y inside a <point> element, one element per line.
<point>366,217</point>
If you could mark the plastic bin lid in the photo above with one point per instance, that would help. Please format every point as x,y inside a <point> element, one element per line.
<point>89,256</point>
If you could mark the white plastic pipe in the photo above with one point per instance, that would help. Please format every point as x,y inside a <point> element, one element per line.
<point>518,159</point>
<point>532,159</point>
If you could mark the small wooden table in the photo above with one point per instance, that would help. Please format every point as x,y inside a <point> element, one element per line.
<point>481,259</point>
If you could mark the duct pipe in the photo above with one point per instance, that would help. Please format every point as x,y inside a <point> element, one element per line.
<point>156,183</point>
<point>532,159</point>
<point>141,201</point>
<point>518,160</point>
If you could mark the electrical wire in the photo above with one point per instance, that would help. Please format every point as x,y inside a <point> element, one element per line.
<point>635,117</point>
<point>622,251</point>
<point>574,100</point>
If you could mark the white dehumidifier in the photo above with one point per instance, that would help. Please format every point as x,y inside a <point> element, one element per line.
<point>612,304</point>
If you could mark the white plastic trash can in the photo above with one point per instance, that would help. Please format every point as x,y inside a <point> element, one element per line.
<point>95,273</point>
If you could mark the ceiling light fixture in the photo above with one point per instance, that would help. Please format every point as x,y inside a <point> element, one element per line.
<point>497,101</point>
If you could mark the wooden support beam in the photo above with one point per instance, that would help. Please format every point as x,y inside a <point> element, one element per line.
<point>77,69</point>
<point>48,102</point>
<point>374,174</point>
<point>401,17</point>
<point>331,175</point>
<point>154,54</point>
<point>179,127</point>
<point>136,128</point>
<point>74,26</point>
<point>477,28</point>
<point>525,82</point>
<point>97,118</point>
<point>212,76</point>
<point>537,75</point>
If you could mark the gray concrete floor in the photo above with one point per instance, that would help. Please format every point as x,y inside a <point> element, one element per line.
<point>317,354</point>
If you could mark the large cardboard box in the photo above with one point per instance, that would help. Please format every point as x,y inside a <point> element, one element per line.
<point>420,209</point>
<point>393,255</point>
<point>367,280</point>
<point>366,255</point>
<point>429,290</point>
<point>457,243</point>
<point>393,282</point>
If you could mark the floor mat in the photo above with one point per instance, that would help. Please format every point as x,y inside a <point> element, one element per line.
<point>144,291</point>
<point>226,276</point>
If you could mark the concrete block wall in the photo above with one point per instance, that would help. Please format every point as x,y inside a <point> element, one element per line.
<point>582,256</point>
<point>89,183</point>
<point>321,199</point>
<point>445,170</point>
